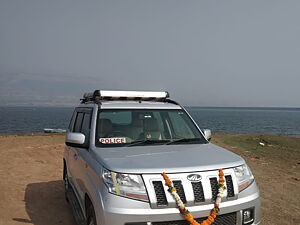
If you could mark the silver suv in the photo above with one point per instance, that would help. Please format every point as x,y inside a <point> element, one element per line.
<point>119,142</point>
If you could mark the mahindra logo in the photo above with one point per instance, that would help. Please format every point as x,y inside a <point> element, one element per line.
<point>194,177</point>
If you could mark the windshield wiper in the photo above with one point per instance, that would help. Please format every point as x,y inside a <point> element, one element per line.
<point>147,142</point>
<point>186,140</point>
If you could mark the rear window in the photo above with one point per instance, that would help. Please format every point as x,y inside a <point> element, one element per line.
<point>117,117</point>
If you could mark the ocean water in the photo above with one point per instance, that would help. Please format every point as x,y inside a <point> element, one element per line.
<point>281,121</point>
<point>27,120</point>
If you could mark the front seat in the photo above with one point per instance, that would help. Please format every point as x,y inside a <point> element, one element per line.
<point>151,130</point>
<point>104,128</point>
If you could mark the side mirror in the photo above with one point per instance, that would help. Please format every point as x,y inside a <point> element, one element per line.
<point>75,140</point>
<point>207,134</point>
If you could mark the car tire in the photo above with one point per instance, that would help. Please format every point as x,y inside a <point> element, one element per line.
<point>91,216</point>
<point>66,183</point>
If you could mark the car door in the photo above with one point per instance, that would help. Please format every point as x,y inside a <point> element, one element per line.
<point>77,162</point>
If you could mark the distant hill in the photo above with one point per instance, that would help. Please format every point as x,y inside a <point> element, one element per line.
<point>45,90</point>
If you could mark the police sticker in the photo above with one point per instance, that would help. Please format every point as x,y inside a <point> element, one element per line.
<point>117,140</point>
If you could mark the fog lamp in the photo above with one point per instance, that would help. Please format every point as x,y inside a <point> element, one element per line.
<point>248,216</point>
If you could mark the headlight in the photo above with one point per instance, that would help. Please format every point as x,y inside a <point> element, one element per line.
<point>244,176</point>
<point>127,185</point>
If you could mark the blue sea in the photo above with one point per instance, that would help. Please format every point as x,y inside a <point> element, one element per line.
<point>280,121</point>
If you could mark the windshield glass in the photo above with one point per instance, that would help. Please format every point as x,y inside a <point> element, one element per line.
<point>130,127</point>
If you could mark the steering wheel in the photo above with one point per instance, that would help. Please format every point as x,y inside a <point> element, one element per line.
<point>116,133</point>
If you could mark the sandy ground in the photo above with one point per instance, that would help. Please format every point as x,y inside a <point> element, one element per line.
<point>31,187</point>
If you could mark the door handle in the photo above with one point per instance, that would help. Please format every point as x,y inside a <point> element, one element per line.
<point>75,156</point>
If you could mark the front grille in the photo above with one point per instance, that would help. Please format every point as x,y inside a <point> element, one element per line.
<point>214,188</point>
<point>160,193</point>
<point>229,185</point>
<point>179,188</point>
<point>226,219</point>
<point>198,192</point>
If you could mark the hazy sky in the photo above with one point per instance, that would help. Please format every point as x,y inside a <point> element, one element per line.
<point>204,52</point>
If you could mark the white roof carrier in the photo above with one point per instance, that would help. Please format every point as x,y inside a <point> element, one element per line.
<point>99,95</point>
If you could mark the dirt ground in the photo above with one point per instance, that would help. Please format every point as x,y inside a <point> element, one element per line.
<point>31,187</point>
<point>276,167</point>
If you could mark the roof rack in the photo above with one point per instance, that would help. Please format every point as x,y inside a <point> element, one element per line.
<point>99,95</point>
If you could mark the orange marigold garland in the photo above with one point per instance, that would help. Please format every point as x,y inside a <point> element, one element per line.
<point>185,212</point>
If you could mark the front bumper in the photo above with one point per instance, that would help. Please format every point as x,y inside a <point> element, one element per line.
<point>116,210</point>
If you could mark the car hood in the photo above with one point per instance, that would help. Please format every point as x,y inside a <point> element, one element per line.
<point>166,158</point>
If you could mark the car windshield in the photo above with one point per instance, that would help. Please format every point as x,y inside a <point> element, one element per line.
<point>132,127</point>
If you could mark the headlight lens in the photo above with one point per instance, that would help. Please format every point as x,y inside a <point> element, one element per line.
<point>244,176</point>
<point>127,185</point>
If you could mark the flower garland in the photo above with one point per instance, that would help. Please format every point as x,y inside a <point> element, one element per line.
<point>183,210</point>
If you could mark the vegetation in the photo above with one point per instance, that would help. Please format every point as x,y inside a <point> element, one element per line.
<point>275,162</point>
<point>262,146</point>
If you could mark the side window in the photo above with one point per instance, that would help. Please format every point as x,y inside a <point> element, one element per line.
<point>71,124</point>
<point>78,122</point>
<point>85,128</point>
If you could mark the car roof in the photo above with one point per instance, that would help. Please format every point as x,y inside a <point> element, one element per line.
<point>133,105</point>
